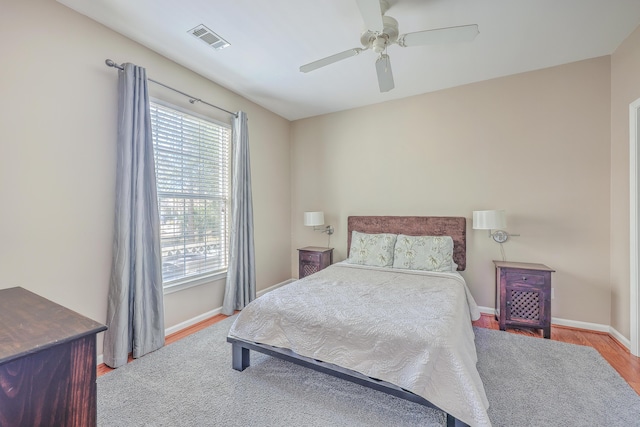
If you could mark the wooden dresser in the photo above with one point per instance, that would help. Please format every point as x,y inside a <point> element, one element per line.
<point>47,362</point>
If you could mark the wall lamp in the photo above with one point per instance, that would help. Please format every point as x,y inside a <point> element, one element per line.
<point>316,220</point>
<point>492,220</point>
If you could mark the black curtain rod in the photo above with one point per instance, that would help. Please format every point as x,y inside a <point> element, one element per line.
<point>192,99</point>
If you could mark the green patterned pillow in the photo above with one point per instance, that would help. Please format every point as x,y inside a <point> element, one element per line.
<point>430,253</point>
<point>372,249</point>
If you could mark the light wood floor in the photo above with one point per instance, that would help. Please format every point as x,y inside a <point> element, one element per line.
<point>627,365</point>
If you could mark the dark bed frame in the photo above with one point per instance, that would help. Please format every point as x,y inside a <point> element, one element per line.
<point>410,225</point>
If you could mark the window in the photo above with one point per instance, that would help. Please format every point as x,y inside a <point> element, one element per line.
<point>192,173</point>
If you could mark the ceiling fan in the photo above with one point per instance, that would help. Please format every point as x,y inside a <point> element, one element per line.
<point>383,31</point>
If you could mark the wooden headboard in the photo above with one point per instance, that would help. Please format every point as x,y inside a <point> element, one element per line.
<point>416,226</point>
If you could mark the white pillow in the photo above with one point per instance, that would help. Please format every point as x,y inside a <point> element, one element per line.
<point>372,249</point>
<point>430,253</point>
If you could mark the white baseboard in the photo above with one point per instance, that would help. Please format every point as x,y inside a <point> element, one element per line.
<point>277,285</point>
<point>190,322</point>
<point>597,327</point>
<point>487,310</point>
<point>204,316</point>
<point>621,338</point>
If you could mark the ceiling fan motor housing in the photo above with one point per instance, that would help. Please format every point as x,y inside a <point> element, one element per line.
<point>379,41</point>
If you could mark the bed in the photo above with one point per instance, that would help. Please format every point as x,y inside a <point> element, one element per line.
<point>398,328</point>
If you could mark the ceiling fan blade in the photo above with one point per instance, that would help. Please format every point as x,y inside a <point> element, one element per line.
<point>371,12</point>
<point>464,33</point>
<point>330,59</point>
<point>385,76</point>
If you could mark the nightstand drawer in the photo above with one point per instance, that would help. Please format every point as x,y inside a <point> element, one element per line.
<point>526,278</point>
<point>310,256</point>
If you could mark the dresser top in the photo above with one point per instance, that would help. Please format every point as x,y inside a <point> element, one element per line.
<point>30,323</point>
<point>522,265</point>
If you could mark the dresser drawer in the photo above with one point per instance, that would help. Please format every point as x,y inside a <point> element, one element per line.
<point>310,256</point>
<point>526,278</point>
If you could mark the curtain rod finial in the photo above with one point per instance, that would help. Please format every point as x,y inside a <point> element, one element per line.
<point>111,63</point>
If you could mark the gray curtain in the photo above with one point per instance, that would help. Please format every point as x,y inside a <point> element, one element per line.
<point>135,314</point>
<point>240,288</point>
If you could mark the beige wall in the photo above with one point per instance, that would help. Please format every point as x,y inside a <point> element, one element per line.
<point>535,144</point>
<point>625,88</point>
<point>57,159</point>
<point>550,147</point>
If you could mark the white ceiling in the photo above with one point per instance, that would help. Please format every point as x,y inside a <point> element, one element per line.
<point>271,39</point>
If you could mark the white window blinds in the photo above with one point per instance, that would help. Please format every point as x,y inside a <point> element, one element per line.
<point>192,172</point>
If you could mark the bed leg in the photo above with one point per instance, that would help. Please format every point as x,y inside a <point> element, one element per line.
<point>239,357</point>
<point>454,422</point>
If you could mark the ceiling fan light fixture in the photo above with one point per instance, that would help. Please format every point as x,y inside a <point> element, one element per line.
<point>379,44</point>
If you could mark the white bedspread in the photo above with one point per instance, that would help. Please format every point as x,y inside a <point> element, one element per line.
<point>410,328</point>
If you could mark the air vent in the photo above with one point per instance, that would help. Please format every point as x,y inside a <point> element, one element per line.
<point>209,37</point>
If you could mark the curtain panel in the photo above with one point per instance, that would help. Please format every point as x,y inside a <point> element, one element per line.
<point>135,313</point>
<point>240,287</point>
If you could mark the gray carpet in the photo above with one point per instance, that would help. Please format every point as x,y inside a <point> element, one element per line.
<point>529,382</point>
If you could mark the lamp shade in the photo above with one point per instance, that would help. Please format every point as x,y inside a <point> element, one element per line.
<point>489,220</point>
<point>313,218</point>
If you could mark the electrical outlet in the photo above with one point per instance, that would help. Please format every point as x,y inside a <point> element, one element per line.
<point>552,293</point>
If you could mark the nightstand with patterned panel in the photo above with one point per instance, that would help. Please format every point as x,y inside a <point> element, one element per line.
<point>523,295</point>
<point>313,259</point>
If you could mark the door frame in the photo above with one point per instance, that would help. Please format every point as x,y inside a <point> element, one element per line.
<point>634,227</point>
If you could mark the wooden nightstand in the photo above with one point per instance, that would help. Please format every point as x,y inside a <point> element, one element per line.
<point>313,259</point>
<point>523,295</point>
